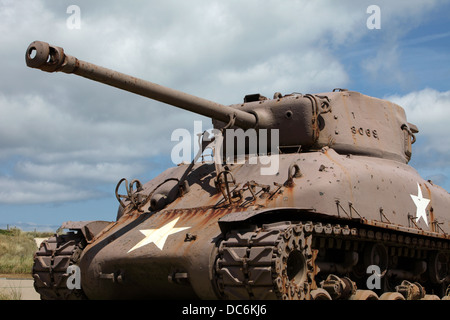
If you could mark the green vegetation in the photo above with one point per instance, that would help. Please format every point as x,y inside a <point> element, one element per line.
<point>17,249</point>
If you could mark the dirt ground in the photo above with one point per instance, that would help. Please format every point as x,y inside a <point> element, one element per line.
<point>20,286</point>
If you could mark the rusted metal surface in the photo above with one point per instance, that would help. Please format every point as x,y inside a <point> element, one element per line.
<point>298,197</point>
<point>327,178</point>
<point>89,228</point>
<point>343,199</point>
<point>145,267</point>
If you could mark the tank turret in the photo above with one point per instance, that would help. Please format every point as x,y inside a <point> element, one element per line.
<point>349,122</point>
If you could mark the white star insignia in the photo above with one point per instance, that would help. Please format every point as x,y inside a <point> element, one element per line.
<point>158,236</point>
<point>421,204</point>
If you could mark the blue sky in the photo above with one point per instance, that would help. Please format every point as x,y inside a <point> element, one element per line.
<point>65,142</point>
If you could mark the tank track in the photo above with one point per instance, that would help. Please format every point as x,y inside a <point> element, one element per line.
<point>51,261</point>
<point>260,263</point>
<point>274,261</point>
<point>401,256</point>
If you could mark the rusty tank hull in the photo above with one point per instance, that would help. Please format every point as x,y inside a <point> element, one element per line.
<point>342,216</point>
<point>171,269</point>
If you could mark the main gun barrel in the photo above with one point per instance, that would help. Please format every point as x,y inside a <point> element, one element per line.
<point>49,58</point>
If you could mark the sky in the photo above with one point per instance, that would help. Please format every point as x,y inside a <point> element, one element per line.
<point>66,141</point>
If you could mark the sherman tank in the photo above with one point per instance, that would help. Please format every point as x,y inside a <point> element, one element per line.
<point>318,202</point>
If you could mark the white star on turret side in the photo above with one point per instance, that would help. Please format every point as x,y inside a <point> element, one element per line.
<point>421,205</point>
<point>158,236</point>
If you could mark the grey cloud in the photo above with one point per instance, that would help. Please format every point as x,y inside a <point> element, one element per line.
<point>17,191</point>
<point>428,109</point>
<point>67,128</point>
<point>69,171</point>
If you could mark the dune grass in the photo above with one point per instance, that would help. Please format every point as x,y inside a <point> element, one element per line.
<point>17,249</point>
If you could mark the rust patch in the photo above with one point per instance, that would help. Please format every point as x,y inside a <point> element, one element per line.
<point>289,194</point>
<point>431,210</point>
<point>196,218</point>
<point>344,170</point>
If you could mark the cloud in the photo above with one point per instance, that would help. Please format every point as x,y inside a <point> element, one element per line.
<point>289,72</point>
<point>16,191</point>
<point>385,63</point>
<point>428,109</point>
<point>69,171</point>
<point>59,131</point>
<point>384,59</point>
